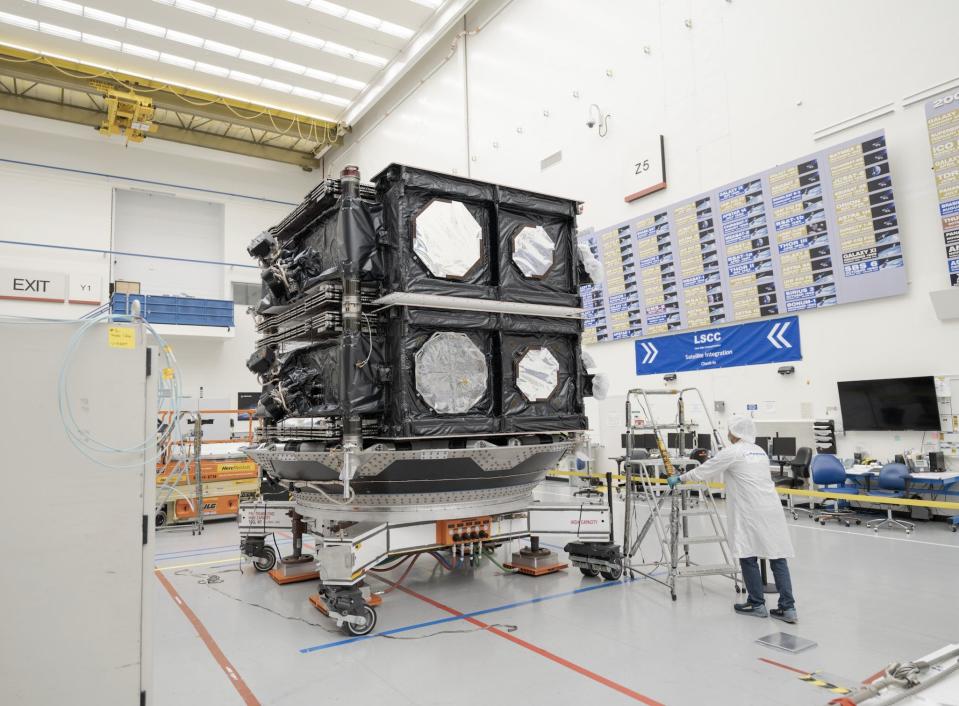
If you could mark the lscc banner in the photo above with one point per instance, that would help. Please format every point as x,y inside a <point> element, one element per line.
<point>774,341</point>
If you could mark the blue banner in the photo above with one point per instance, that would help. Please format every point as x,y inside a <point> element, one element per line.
<point>773,341</point>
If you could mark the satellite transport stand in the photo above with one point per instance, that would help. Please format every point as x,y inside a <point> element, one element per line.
<point>347,550</point>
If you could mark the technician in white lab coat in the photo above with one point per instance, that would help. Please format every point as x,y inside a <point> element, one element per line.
<point>755,521</point>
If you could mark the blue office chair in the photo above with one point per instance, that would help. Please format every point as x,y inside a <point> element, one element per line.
<point>829,475</point>
<point>893,483</point>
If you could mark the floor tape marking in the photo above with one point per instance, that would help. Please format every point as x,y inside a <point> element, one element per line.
<point>229,669</point>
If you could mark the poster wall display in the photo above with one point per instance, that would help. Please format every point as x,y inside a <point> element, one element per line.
<point>814,232</point>
<point>942,120</point>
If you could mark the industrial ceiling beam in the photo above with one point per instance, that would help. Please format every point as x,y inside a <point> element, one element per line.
<point>61,73</point>
<point>196,138</point>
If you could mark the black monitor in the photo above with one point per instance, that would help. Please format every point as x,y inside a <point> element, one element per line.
<point>895,404</point>
<point>704,441</point>
<point>672,440</point>
<point>246,400</point>
<point>641,441</point>
<point>763,443</point>
<point>784,446</point>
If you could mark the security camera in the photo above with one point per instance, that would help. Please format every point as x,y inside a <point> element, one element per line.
<point>786,370</point>
<point>670,377</point>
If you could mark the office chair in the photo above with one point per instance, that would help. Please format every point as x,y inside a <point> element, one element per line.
<point>799,472</point>
<point>893,483</point>
<point>591,480</point>
<point>828,474</point>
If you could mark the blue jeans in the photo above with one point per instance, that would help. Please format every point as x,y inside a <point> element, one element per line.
<point>754,582</point>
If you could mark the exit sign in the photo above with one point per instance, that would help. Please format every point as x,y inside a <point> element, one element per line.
<point>45,286</point>
<point>33,285</point>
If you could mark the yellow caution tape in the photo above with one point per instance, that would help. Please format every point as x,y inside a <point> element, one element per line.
<point>873,499</point>
<point>816,681</point>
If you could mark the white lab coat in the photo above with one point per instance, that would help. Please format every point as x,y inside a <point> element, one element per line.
<point>755,521</point>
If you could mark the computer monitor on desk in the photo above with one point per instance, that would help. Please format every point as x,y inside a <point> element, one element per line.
<point>784,446</point>
<point>641,441</point>
<point>763,443</point>
<point>672,440</point>
<point>783,451</point>
<point>704,441</point>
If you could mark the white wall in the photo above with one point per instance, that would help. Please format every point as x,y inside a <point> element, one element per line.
<point>47,204</point>
<point>746,86</point>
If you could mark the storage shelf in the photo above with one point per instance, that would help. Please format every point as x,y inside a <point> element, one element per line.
<point>177,311</point>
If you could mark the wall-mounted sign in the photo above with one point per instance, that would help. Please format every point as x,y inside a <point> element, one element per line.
<point>44,286</point>
<point>85,289</point>
<point>645,169</point>
<point>814,232</point>
<point>32,285</point>
<point>942,120</point>
<point>775,341</point>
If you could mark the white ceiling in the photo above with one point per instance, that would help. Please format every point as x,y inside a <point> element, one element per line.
<point>305,56</point>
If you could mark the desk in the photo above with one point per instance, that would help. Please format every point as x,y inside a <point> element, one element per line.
<point>935,484</point>
<point>931,483</point>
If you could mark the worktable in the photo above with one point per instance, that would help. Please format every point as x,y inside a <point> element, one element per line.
<point>933,483</point>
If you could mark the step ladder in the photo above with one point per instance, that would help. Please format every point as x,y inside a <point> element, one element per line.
<point>670,508</point>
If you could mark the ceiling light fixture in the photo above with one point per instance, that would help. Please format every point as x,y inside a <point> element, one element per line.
<point>356,17</point>
<point>255,25</point>
<point>208,44</point>
<point>438,24</point>
<point>153,55</point>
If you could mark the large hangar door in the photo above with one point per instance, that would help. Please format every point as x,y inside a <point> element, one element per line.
<point>151,223</point>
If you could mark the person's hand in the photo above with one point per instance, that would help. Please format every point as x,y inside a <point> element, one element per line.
<point>674,480</point>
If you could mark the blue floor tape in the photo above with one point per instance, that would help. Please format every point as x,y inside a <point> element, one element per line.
<point>452,618</point>
<point>183,554</point>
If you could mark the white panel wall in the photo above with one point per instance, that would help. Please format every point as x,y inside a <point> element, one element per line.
<point>151,223</point>
<point>744,86</point>
<point>44,202</point>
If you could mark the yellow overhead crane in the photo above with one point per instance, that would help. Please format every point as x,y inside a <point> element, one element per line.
<point>128,114</point>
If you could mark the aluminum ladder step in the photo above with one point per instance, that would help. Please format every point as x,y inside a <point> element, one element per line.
<point>704,539</point>
<point>687,513</point>
<point>707,570</point>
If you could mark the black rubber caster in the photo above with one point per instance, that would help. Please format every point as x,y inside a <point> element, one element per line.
<point>266,561</point>
<point>613,574</point>
<point>356,630</point>
<point>591,573</point>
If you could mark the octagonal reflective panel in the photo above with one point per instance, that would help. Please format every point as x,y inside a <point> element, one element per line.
<point>448,239</point>
<point>533,251</point>
<point>451,373</point>
<point>537,374</point>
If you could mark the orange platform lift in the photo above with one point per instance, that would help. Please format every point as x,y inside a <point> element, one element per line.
<point>191,474</point>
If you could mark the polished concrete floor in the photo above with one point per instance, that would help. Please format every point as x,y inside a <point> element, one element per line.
<point>866,599</point>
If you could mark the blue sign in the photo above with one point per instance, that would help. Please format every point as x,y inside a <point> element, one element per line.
<point>773,341</point>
